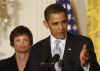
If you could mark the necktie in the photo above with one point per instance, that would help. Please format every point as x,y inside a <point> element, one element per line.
<point>57,48</point>
<point>57,51</point>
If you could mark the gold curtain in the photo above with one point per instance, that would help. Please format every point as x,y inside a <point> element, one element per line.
<point>94,24</point>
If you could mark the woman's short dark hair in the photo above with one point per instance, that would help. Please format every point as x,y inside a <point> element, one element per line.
<point>20,30</point>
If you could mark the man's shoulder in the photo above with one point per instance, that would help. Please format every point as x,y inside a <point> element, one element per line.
<point>42,42</point>
<point>78,37</point>
<point>39,47</point>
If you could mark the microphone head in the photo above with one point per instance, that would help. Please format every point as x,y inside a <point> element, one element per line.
<point>56,58</point>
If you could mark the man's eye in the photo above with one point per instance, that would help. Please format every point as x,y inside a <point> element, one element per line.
<point>65,21</point>
<point>55,23</point>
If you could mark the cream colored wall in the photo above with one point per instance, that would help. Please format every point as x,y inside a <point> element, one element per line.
<point>81,13</point>
<point>31,15</point>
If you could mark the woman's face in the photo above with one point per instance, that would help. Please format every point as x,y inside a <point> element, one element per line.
<point>22,43</point>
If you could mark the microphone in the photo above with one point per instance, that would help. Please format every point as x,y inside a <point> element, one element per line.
<point>56,58</point>
<point>54,64</point>
<point>57,63</point>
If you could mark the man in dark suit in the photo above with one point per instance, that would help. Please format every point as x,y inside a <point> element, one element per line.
<point>62,51</point>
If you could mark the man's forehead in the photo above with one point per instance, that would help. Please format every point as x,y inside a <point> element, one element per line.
<point>57,15</point>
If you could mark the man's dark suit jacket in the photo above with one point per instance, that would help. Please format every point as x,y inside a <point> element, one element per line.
<point>11,65</point>
<point>71,58</point>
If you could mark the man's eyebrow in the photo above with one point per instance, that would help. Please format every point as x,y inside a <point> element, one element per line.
<point>64,20</point>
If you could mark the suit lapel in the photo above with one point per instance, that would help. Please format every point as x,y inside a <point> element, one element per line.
<point>68,48</point>
<point>13,64</point>
<point>48,46</point>
<point>47,50</point>
<point>67,57</point>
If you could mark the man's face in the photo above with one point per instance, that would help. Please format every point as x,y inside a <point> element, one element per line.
<point>57,25</point>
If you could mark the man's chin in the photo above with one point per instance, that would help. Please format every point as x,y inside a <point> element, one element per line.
<point>60,37</point>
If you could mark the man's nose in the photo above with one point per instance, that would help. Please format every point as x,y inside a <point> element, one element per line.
<point>61,26</point>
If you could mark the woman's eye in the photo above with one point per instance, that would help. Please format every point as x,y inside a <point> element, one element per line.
<point>26,40</point>
<point>17,40</point>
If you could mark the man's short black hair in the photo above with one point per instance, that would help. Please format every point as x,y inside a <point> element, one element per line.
<point>54,8</point>
<point>20,30</point>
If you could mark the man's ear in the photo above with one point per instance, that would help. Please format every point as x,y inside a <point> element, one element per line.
<point>45,23</point>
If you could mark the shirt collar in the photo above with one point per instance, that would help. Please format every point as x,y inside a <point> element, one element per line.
<point>52,38</point>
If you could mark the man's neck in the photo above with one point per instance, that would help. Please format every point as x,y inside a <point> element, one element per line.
<point>53,37</point>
